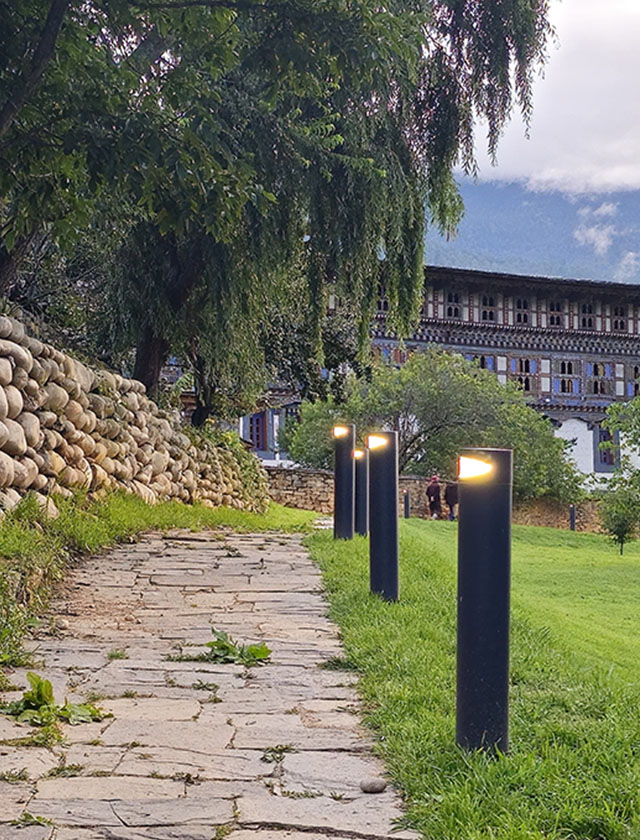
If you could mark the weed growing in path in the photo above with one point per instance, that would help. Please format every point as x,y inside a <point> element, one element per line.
<point>37,707</point>
<point>224,649</point>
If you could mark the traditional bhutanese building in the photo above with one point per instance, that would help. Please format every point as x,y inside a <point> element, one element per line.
<point>572,345</point>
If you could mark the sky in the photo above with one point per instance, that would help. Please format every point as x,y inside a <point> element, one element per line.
<point>579,169</point>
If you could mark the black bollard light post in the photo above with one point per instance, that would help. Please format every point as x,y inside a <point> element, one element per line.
<point>362,491</point>
<point>572,517</point>
<point>383,514</point>
<point>407,505</point>
<point>484,572</point>
<point>343,482</point>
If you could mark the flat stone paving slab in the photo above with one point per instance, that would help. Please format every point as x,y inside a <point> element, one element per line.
<point>194,749</point>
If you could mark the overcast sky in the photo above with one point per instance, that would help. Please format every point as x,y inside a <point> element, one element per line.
<point>585,131</point>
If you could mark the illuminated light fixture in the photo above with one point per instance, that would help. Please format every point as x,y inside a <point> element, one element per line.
<point>376,442</point>
<point>473,467</point>
<point>358,453</point>
<point>340,431</point>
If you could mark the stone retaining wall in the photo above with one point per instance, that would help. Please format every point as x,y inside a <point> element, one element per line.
<point>313,490</point>
<point>64,426</point>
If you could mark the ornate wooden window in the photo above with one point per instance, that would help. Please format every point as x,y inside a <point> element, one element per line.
<point>453,310</point>
<point>524,366</point>
<point>566,386</point>
<point>488,308</point>
<point>525,383</point>
<point>566,367</point>
<point>619,319</point>
<point>522,311</point>
<point>600,378</point>
<point>485,362</point>
<point>556,313</point>
<point>258,430</point>
<point>586,318</point>
<point>606,460</point>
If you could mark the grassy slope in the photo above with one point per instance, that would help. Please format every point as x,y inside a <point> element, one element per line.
<point>574,767</point>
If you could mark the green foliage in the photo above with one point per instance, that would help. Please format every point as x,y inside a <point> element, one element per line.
<point>573,764</point>
<point>308,439</point>
<point>236,146</point>
<point>439,402</point>
<point>37,707</point>
<point>117,653</point>
<point>26,818</point>
<point>620,511</point>
<point>274,755</point>
<point>224,649</point>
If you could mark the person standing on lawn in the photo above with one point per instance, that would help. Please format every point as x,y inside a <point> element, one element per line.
<point>451,498</point>
<point>433,497</point>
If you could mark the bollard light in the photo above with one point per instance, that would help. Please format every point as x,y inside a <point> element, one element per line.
<point>572,517</point>
<point>343,482</point>
<point>484,572</point>
<point>383,514</point>
<point>407,505</point>
<point>362,491</point>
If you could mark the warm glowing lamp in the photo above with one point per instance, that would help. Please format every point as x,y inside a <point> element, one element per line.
<point>473,467</point>
<point>358,454</point>
<point>340,431</point>
<point>377,442</point>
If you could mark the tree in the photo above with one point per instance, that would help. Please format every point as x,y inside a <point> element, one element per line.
<point>238,139</point>
<point>620,511</point>
<point>438,403</point>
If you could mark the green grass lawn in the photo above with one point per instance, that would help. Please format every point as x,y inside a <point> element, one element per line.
<point>573,771</point>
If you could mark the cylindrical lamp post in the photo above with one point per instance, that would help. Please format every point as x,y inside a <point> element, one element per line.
<point>383,514</point>
<point>572,517</point>
<point>407,505</point>
<point>344,482</point>
<point>362,491</point>
<point>484,573</point>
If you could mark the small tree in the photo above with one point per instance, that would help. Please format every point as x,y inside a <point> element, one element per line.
<point>439,402</point>
<point>620,512</point>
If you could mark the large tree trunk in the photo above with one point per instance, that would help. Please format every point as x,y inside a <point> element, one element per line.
<point>152,353</point>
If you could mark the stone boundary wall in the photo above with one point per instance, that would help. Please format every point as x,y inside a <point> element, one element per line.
<point>65,426</point>
<point>313,490</point>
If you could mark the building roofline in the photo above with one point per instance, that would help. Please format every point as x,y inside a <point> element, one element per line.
<point>478,276</point>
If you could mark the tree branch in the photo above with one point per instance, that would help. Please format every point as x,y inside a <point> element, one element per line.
<point>41,57</point>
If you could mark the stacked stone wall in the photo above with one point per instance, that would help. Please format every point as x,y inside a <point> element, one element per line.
<point>313,490</point>
<point>66,426</point>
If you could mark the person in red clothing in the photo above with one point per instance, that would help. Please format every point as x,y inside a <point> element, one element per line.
<point>433,497</point>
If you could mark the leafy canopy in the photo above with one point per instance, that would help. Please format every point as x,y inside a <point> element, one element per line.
<point>229,141</point>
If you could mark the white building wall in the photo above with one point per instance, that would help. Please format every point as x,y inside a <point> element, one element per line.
<point>582,451</point>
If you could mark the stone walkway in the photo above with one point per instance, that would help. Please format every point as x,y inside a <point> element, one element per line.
<point>196,751</point>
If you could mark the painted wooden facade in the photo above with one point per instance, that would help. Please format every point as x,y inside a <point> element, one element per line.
<point>572,345</point>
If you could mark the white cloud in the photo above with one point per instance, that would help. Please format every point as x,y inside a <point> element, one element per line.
<point>599,237</point>
<point>628,268</point>
<point>585,130</point>
<point>607,208</point>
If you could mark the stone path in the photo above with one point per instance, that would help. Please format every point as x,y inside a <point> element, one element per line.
<point>194,750</point>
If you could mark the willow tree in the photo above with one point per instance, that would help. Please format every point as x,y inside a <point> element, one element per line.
<point>250,142</point>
